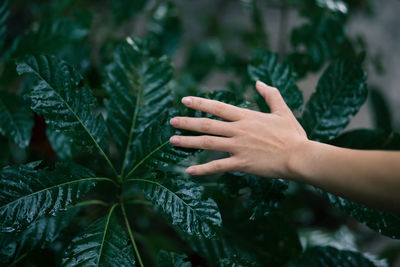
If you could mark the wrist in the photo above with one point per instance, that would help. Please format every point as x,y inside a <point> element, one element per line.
<point>302,161</point>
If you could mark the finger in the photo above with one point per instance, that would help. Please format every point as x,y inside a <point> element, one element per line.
<point>203,125</point>
<point>217,108</point>
<point>215,166</point>
<point>272,96</point>
<point>203,142</point>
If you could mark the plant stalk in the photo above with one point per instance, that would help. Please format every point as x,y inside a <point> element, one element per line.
<point>131,234</point>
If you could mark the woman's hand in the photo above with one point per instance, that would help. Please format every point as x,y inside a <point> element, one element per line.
<point>262,144</point>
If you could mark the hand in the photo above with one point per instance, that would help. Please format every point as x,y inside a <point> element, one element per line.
<point>259,143</point>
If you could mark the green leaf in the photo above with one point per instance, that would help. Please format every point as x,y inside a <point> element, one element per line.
<point>329,256</point>
<point>61,143</point>
<point>318,41</point>
<point>15,119</point>
<point>182,204</point>
<point>385,223</point>
<point>237,261</point>
<point>45,230</point>
<point>103,243</point>
<point>56,95</point>
<point>171,259</point>
<point>152,149</point>
<point>380,110</point>
<point>368,139</point>
<point>125,9</point>
<point>265,67</point>
<point>264,196</point>
<point>340,92</point>
<point>165,28</point>
<point>139,92</point>
<point>26,194</point>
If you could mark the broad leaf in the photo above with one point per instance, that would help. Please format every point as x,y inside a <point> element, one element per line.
<point>26,194</point>
<point>264,196</point>
<point>329,256</point>
<point>383,222</point>
<point>340,93</point>
<point>381,112</point>
<point>65,106</point>
<point>314,43</point>
<point>266,68</point>
<point>15,119</point>
<point>171,259</point>
<point>237,261</point>
<point>182,204</point>
<point>152,149</point>
<point>138,91</point>
<point>103,243</point>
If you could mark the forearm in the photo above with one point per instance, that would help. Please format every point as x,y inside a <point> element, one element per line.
<point>368,177</point>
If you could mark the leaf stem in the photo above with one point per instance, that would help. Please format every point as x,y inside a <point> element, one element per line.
<point>105,232</point>
<point>91,202</point>
<point>128,227</point>
<point>17,260</point>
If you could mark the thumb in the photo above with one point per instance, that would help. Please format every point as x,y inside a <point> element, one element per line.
<point>272,96</point>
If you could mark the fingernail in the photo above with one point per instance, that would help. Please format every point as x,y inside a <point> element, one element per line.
<point>174,140</point>
<point>259,83</point>
<point>187,101</point>
<point>190,170</point>
<point>174,121</point>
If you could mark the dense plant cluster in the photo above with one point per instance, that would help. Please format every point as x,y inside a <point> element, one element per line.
<point>88,176</point>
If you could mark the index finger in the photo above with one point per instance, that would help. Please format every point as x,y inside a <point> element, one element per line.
<point>217,108</point>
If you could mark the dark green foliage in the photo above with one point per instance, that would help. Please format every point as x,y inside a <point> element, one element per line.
<point>266,68</point>
<point>264,196</point>
<point>166,29</point>
<point>329,256</point>
<point>340,92</point>
<point>56,95</point>
<point>381,112</point>
<point>91,89</point>
<point>103,243</point>
<point>15,119</point>
<point>368,139</point>
<point>139,92</point>
<point>181,202</point>
<point>171,259</point>
<point>26,194</point>
<point>124,9</point>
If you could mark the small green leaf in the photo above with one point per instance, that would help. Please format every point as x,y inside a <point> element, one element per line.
<point>265,67</point>
<point>182,204</point>
<point>65,106</point>
<point>165,28</point>
<point>329,256</point>
<point>61,143</point>
<point>26,194</point>
<point>171,259</point>
<point>137,85</point>
<point>341,91</point>
<point>103,243</point>
<point>15,119</point>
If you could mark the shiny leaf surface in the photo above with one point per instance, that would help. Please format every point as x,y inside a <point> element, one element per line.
<point>265,67</point>
<point>182,204</point>
<point>26,194</point>
<point>103,243</point>
<point>171,259</point>
<point>340,92</point>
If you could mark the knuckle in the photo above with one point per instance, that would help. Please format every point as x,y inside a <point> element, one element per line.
<point>217,165</point>
<point>205,125</point>
<point>218,108</point>
<point>207,142</point>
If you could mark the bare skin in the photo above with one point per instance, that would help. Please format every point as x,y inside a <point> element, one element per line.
<point>275,145</point>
